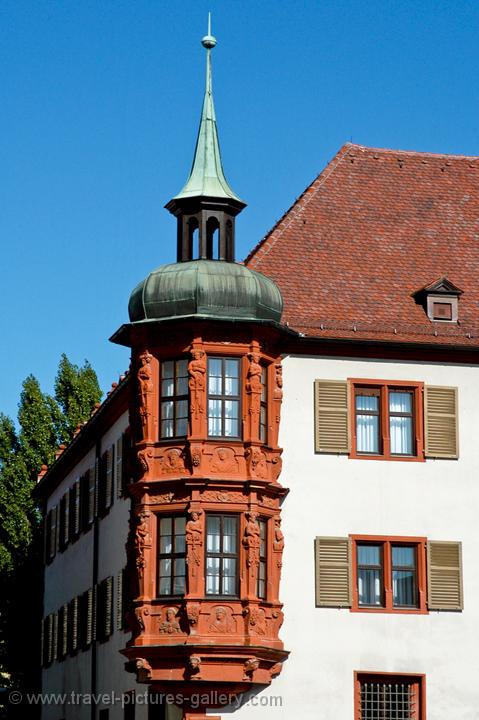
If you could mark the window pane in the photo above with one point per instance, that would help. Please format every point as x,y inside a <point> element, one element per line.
<point>165,526</point>
<point>369,555</point>
<point>168,369</point>
<point>167,428</point>
<point>365,403</point>
<point>231,368</point>
<point>403,556</point>
<point>400,430</point>
<point>229,535</point>
<point>215,385</point>
<point>167,387</point>
<point>213,534</point>
<point>182,386</point>
<point>165,567</point>
<point>369,586</point>
<point>367,433</point>
<point>214,417</point>
<point>165,584</point>
<point>165,544</point>
<point>229,576</point>
<point>167,410</point>
<point>179,585</point>
<point>404,587</point>
<point>179,566</point>
<point>400,402</point>
<point>212,576</point>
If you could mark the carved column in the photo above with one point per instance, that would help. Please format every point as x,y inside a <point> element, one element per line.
<point>146,397</point>
<point>143,545</point>
<point>251,542</point>
<point>194,552</point>
<point>277,401</point>
<point>278,546</point>
<point>253,391</point>
<point>197,384</point>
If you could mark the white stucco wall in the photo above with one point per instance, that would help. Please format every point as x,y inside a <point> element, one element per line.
<point>333,495</point>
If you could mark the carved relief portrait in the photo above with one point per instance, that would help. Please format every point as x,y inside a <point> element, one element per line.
<point>223,460</point>
<point>170,625</point>
<point>222,621</point>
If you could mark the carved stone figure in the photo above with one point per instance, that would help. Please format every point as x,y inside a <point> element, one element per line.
<point>223,460</point>
<point>140,614</point>
<point>257,462</point>
<point>278,390</point>
<point>276,465</point>
<point>251,541</point>
<point>249,668</point>
<point>194,542</point>
<point>144,456</point>
<point>257,621</point>
<point>170,625</point>
<point>193,613</point>
<point>172,461</point>
<point>253,382</point>
<point>222,622</point>
<point>278,616</point>
<point>278,543</point>
<point>146,388</point>
<point>275,669</point>
<point>143,670</point>
<point>142,540</point>
<point>194,666</point>
<point>197,381</point>
<point>195,455</point>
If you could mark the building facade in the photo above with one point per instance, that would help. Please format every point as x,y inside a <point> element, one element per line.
<point>273,512</point>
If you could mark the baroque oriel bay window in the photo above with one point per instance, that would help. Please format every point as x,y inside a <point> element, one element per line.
<point>174,398</point>
<point>224,397</point>
<point>222,555</point>
<point>171,555</point>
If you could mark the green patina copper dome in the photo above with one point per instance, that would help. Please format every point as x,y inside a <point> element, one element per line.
<point>206,288</point>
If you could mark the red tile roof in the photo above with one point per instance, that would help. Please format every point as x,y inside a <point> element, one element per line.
<point>372,229</point>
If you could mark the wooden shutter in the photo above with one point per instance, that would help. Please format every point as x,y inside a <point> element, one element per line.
<point>108,629</point>
<point>440,422</point>
<point>119,466</point>
<point>48,639</point>
<point>108,477</point>
<point>331,407</point>
<point>66,519</point>
<point>89,612</point>
<point>91,482</point>
<point>55,636</point>
<point>47,533</point>
<point>119,601</point>
<point>42,643</point>
<point>53,532</point>
<point>75,500</point>
<point>333,572</point>
<point>444,571</point>
<point>73,625</point>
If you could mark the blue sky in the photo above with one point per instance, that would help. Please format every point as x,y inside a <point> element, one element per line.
<point>100,103</point>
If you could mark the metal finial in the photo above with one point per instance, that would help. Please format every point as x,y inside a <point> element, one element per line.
<point>209,41</point>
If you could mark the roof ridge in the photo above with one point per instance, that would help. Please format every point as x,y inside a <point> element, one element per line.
<point>322,177</point>
<point>414,153</point>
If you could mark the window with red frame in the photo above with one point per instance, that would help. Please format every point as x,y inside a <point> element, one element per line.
<point>386,419</point>
<point>389,574</point>
<point>381,696</point>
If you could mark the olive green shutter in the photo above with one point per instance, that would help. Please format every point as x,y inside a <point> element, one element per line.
<point>331,409</point>
<point>89,608</point>
<point>333,571</point>
<point>108,499</point>
<point>73,621</point>
<point>66,519</point>
<point>119,601</point>
<point>444,572</point>
<point>55,636</point>
<point>64,645</point>
<point>440,422</point>
<point>48,639</point>
<point>108,606</point>
<point>91,478</point>
<point>119,466</point>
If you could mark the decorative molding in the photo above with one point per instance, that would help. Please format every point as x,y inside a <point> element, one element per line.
<point>226,496</point>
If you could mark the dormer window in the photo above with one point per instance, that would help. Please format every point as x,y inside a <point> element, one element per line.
<point>440,300</point>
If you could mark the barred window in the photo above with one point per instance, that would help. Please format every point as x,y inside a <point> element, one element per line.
<point>386,697</point>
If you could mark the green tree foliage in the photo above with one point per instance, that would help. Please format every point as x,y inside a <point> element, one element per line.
<point>44,422</point>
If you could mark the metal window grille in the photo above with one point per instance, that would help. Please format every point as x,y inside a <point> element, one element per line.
<point>388,701</point>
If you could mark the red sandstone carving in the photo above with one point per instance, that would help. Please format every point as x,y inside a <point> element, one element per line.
<point>275,670</point>
<point>258,465</point>
<point>194,544</point>
<point>256,621</point>
<point>250,666</point>
<point>194,666</point>
<point>222,621</point>
<point>143,670</point>
<point>146,389</point>
<point>223,460</point>
<point>172,461</point>
<point>144,456</point>
<point>170,625</point>
<point>197,381</point>
<point>142,540</point>
<point>193,613</point>
<point>222,497</point>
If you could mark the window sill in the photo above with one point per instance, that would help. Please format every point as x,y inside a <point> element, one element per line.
<point>391,458</point>
<point>390,611</point>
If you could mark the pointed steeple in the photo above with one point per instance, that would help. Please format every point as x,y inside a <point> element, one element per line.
<point>207,177</point>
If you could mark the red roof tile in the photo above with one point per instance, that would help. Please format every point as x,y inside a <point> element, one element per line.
<point>373,227</point>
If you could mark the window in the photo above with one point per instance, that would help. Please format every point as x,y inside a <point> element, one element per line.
<point>381,696</point>
<point>442,311</point>
<point>389,574</point>
<point>385,419</point>
<point>221,555</point>
<point>223,397</point>
<point>174,398</point>
<point>263,416</point>
<point>171,556</point>
<point>263,529</point>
